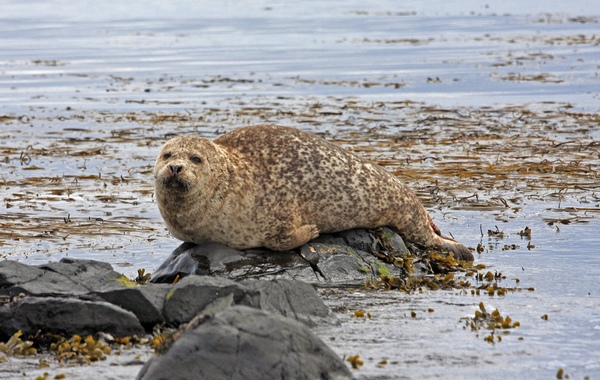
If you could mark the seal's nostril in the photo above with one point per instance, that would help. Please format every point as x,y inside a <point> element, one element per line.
<point>175,168</point>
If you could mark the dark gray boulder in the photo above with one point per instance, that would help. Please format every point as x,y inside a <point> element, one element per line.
<point>193,294</point>
<point>219,260</point>
<point>247,343</point>
<point>146,302</point>
<point>70,282</point>
<point>66,316</point>
<point>292,299</point>
<point>17,278</point>
<point>348,258</point>
<point>67,277</point>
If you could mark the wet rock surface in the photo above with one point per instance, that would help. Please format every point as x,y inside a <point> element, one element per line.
<point>247,343</point>
<point>293,299</point>
<point>66,316</point>
<point>69,277</point>
<point>86,297</point>
<point>241,314</point>
<point>346,258</point>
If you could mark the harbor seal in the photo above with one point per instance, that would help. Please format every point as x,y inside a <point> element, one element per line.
<point>278,187</point>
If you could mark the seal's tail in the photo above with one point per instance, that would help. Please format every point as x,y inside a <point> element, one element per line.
<point>434,227</point>
<point>460,251</point>
<point>444,242</point>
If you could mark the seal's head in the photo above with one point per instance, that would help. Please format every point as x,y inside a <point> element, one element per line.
<point>183,165</point>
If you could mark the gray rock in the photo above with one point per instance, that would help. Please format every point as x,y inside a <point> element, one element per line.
<point>293,299</point>
<point>246,343</point>
<point>67,277</point>
<point>60,297</point>
<point>219,260</point>
<point>66,316</point>
<point>364,240</point>
<point>146,302</point>
<point>158,303</point>
<point>347,258</point>
<point>337,265</point>
<point>16,278</point>
<point>13,273</point>
<point>89,274</point>
<point>193,294</point>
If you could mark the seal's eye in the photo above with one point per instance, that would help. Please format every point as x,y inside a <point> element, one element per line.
<point>196,159</point>
<point>166,156</point>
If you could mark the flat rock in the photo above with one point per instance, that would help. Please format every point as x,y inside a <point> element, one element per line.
<point>91,274</point>
<point>66,316</point>
<point>67,277</point>
<point>195,295</point>
<point>247,343</point>
<point>347,258</point>
<point>17,278</point>
<point>219,260</point>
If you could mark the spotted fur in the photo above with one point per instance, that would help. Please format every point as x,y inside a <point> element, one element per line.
<point>277,187</point>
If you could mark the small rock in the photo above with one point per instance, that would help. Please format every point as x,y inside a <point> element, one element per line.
<point>146,302</point>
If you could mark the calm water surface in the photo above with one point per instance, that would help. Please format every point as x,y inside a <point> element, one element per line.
<point>90,90</point>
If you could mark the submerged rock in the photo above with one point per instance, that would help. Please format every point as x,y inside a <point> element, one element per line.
<point>246,343</point>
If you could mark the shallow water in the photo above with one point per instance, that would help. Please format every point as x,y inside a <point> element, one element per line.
<point>489,111</point>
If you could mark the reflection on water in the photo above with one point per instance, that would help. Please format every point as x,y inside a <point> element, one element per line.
<point>489,113</point>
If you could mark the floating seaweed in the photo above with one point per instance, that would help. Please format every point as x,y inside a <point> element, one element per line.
<point>482,154</point>
<point>493,321</point>
<point>355,361</point>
